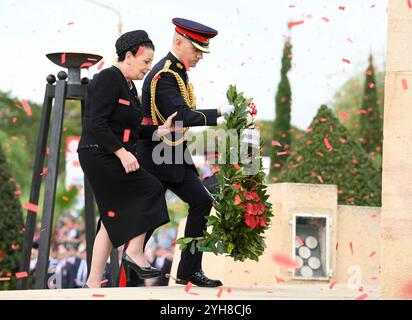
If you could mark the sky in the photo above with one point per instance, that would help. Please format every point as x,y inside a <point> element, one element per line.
<point>247,51</point>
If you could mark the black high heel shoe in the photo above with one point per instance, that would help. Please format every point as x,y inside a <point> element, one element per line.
<point>142,272</point>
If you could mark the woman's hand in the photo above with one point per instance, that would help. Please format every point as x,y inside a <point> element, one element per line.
<point>128,160</point>
<point>169,126</point>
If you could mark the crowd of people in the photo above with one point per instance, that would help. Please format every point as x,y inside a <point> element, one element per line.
<point>67,261</point>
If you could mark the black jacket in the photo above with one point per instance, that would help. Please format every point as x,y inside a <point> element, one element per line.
<point>169,100</point>
<point>111,107</point>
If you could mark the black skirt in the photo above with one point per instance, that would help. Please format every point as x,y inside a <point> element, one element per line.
<point>129,203</point>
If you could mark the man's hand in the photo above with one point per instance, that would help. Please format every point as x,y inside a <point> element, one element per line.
<point>169,126</point>
<point>221,111</point>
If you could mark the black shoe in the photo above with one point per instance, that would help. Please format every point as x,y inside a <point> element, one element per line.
<point>199,279</point>
<point>142,272</point>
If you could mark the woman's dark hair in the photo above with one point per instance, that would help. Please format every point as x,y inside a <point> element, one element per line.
<point>134,50</point>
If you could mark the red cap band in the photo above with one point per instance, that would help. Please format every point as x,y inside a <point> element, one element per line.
<point>192,35</point>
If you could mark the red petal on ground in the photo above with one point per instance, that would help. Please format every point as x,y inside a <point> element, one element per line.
<point>362,297</point>
<point>188,286</point>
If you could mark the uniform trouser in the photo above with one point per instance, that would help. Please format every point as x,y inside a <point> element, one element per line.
<point>192,191</point>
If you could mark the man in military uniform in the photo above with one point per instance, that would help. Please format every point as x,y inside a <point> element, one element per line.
<point>166,90</point>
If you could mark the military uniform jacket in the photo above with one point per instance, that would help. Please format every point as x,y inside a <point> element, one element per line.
<point>168,99</point>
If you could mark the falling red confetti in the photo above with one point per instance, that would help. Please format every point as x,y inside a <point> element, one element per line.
<point>372,254</point>
<point>111,214</point>
<point>332,285</point>
<point>70,23</point>
<point>346,60</point>
<point>95,295</point>
<point>337,245</point>
<point>327,144</point>
<point>295,23</point>
<point>86,65</point>
<point>5,279</point>
<point>246,271</point>
<point>125,102</point>
<point>219,294</point>
<point>372,6</point>
<point>410,4</point>
<point>104,281</point>
<point>362,297</point>
<point>63,58</point>
<point>407,290</point>
<point>26,107</point>
<point>17,192</point>
<point>20,275</point>
<point>44,171</point>
<point>350,40</point>
<point>126,135</point>
<point>139,52</point>
<point>31,207</point>
<point>14,120</point>
<point>351,248</point>
<point>343,114</point>
<point>15,246</point>
<point>405,83</point>
<point>279,280</point>
<point>65,198</point>
<point>341,7</point>
<point>276,143</point>
<point>229,290</point>
<point>342,140</point>
<point>320,179</point>
<point>186,64</point>
<point>285,261</point>
<point>299,241</point>
<point>188,286</point>
<point>325,19</point>
<point>100,65</point>
<point>282,153</point>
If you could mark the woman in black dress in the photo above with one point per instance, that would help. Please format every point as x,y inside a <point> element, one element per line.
<point>131,201</point>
